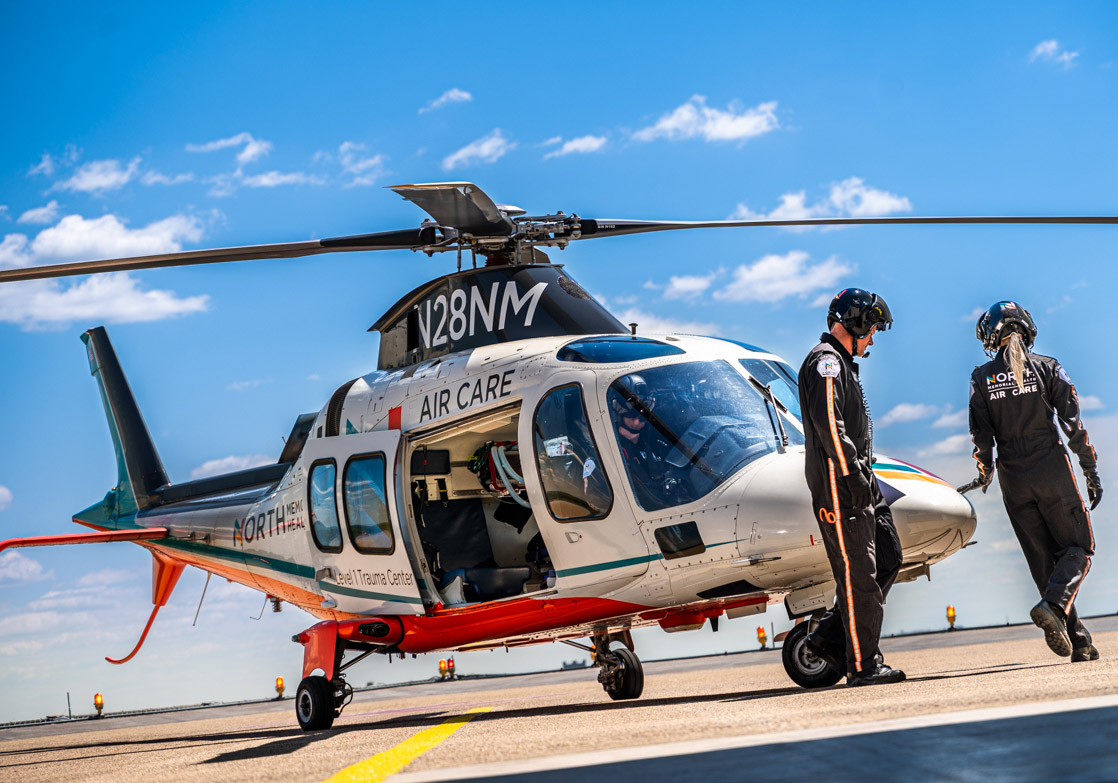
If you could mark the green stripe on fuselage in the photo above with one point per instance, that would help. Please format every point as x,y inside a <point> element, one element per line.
<point>355,593</point>
<point>588,569</point>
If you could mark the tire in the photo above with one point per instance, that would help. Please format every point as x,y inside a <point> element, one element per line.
<point>629,683</point>
<point>805,669</point>
<point>314,704</point>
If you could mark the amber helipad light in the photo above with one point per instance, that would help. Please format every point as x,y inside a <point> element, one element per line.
<point>762,637</point>
<point>442,666</point>
<point>951,615</point>
<point>279,686</point>
<point>99,703</point>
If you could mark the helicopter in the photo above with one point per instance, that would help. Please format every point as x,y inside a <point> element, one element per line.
<point>479,488</point>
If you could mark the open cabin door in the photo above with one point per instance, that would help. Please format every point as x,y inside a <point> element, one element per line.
<point>362,562</point>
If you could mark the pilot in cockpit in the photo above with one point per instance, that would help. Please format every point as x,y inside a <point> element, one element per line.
<point>637,440</point>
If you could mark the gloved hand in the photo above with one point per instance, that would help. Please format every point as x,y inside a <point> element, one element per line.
<point>1094,487</point>
<point>983,481</point>
<point>859,487</point>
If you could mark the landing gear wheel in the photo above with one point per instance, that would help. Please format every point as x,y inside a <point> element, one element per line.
<point>622,678</point>
<point>315,705</point>
<point>804,668</point>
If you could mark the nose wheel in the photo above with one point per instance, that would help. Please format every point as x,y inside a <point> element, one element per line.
<point>805,669</point>
<point>318,701</point>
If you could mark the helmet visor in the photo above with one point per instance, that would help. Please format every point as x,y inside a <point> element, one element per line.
<point>879,314</point>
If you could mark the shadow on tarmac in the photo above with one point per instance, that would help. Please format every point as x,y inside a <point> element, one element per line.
<point>283,741</point>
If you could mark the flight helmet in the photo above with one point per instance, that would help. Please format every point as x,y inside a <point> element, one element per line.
<point>859,311</point>
<point>1002,318</point>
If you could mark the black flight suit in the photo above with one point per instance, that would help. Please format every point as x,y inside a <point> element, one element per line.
<point>861,543</point>
<point>1038,487</point>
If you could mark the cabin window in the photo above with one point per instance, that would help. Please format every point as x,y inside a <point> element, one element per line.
<point>684,429</point>
<point>366,507</point>
<point>574,482</point>
<point>324,507</point>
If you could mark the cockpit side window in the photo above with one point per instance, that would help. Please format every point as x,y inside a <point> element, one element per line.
<point>684,429</point>
<point>324,506</point>
<point>574,482</point>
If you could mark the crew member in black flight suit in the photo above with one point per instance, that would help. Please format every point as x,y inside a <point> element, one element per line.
<point>1012,402</point>
<point>854,520</point>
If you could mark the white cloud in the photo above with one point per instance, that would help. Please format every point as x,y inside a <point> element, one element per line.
<point>216,467</point>
<point>48,164</point>
<point>78,238</point>
<point>973,315</point>
<point>105,576</point>
<point>99,176</point>
<point>252,148</point>
<point>40,215</point>
<point>775,277</point>
<point>80,598</point>
<point>488,149</point>
<point>849,198</point>
<point>5,497</point>
<point>15,567</point>
<point>694,119</point>
<point>45,166</point>
<point>1088,402</point>
<point>155,178</point>
<point>953,419</point>
<point>648,323</point>
<point>906,412</point>
<point>1049,51</point>
<point>366,169</point>
<point>21,649</point>
<point>955,444</point>
<point>453,95</point>
<point>113,297</point>
<point>688,286</point>
<point>273,179</point>
<point>239,386</point>
<point>37,622</point>
<point>582,144</point>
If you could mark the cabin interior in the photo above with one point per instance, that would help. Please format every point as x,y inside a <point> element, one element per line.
<point>479,537</point>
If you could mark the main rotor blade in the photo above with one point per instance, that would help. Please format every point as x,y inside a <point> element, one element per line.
<point>462,205</point>
<point>412,238</point>
<point>603,228</point>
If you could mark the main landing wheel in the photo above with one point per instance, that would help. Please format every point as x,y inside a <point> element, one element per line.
<point>623,676</point>
<point>805,669</point>
<point>315,704</point>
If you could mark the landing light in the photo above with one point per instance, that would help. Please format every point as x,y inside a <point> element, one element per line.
<point>99,703</point>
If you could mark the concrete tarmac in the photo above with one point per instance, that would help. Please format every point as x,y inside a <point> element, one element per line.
<point>993,704</point>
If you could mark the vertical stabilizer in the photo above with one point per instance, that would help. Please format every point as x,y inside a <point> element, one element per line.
<point>139,470</point>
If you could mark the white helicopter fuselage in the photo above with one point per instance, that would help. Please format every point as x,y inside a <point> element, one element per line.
<point>751,540</point>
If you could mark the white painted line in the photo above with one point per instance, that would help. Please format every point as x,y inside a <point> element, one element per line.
<point>669,749</point>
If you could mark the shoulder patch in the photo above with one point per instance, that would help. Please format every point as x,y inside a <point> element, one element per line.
<point>828,366</point>
<point>1064,376</point>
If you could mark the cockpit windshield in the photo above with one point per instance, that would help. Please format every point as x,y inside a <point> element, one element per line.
<point>684,429</point>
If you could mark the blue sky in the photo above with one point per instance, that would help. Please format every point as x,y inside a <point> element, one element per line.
<point>134,130</point>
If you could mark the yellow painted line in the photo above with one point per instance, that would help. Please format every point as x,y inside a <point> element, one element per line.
<point>391,761</point>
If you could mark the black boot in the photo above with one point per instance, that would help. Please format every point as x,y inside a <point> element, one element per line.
<point>1050,618</point>
<point>880,674</point>
<point>1088,653</point>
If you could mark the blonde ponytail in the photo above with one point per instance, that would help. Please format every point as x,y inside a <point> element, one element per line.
<point>1015,354</point>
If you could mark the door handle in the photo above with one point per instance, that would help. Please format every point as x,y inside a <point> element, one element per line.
<point>573,536</point>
